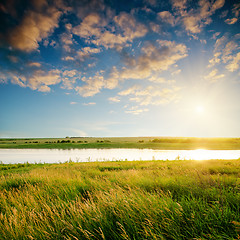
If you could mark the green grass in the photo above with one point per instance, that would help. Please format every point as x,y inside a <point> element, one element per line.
<point>170,143</point>
<point>121,200</point>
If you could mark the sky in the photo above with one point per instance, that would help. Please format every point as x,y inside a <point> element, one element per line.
<point>119,68</point>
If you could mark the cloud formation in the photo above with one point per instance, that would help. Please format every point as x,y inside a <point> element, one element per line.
<point>226,52</point>
<point>39,80</point>
<point>153,58</point>
<point>86,52</point>
<point>114,99</point>
<point>151,95</point>
<point>213,76</point>
<point>95,29</point>
<point>135,110</point>
<point>90,47</point>
<point>193,19</point>
<point>95,84</point>
<point>37,23</point>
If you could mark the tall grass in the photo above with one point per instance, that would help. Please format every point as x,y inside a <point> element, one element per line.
<point>121,200</point>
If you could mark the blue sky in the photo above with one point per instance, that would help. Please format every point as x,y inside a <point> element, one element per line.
<point>119,68</point>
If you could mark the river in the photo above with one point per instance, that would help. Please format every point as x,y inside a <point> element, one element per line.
<point>8,156</point>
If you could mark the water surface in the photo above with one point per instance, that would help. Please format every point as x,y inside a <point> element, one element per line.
<point>92,155</point>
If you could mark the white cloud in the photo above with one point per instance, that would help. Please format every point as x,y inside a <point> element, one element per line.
<point>215,60</point>
<point>96,30</point>
<point>151,95</point>
<point>155,27</point>
<point>231,21</point>
<point>154,58</point>
<point>67,41</point>
<point>213,76</point>
<point>167,17</point>
<point>136,110</point>
<point>130,27</point>
<point>236,9</point>
<point>129,91</point>
<point>176,72</point>
<point>234,64</point>
<point>44,88</point>
<point>226,52</point>
<point>215,35</point>
<point>96,83</point>
<point>93,85</point>
<point>34,64</point>
<point>69,78</point>
<point>68,58</point>
<point>89,104</point>
<point>114,99</point>
<point>18,80</point>
<point>157,79</point>
<point>70,73</point>
<point>3,78</point>
<point>73,103</point>
<point>194,20</point>
<point>68,83</point>
<point>41,80</point>
<point>33,28</point>
<point>87,51</point>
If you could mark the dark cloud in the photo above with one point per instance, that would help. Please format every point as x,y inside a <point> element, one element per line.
<point>25,23</point>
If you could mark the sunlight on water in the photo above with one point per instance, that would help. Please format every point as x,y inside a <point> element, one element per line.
<point>93,155</point>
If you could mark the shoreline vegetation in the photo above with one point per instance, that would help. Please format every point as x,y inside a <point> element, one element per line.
<point>162,143</point>
<point>121,200</point>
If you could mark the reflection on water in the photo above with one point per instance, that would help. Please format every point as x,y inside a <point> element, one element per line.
<point>93,155</point>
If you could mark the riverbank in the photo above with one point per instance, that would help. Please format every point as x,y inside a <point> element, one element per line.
<point>160,143</point>
<point>121,200</point>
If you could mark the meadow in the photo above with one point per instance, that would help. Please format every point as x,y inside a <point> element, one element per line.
<point>165,143</point>
<point>121,200</point>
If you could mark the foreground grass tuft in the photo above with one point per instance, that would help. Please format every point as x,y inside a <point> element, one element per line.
<point>121,200</point>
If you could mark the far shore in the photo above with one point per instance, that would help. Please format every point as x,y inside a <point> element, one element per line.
<point>161,143</point>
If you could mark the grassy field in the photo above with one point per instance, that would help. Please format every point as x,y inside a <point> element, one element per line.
<point>170,143</point>
<point>121,200</point>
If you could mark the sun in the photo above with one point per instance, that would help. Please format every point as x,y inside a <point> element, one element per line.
<point>200,109</point>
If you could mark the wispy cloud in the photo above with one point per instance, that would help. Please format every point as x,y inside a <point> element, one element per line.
<point>94,30</point>
<point>167,17</point>
<point>231,21</point>
<point>136,110</point>
<point>87,51</point>
<point>34,27</point>
<point>194,19</point>
<point>39,80</point>
<point>114,99</point>
<point>35,64</point>
<point>233,64</point>
<point>95,84</point>
<point>226,52</point>
<point>89,104</point>
<point>151,95</point>
<point>154,58</point>
<point>213,76</point>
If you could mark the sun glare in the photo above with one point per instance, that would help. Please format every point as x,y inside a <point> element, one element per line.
<point>199,109</point>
